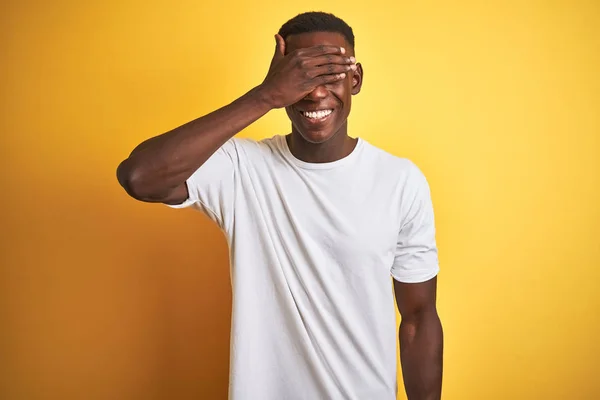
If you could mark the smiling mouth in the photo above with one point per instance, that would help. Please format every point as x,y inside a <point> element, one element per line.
<point>317,116</point>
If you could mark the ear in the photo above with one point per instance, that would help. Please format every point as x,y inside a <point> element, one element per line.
<point>357,79</point>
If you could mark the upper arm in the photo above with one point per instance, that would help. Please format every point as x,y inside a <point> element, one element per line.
<point>413,299</point>
<point>177,195</point>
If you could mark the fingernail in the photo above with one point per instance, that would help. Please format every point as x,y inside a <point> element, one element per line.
<point>352,59</point>
<point>353,67</point>
<point>343,50</point>
<point>343,75</point>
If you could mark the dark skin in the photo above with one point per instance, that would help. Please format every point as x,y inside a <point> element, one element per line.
<point>421,339</point>
<point>309,72</point>
<point>157,169</point>
<point>327,140</point>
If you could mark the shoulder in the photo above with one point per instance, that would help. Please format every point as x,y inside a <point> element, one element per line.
<point>249,148</point>
<point>401,170</point>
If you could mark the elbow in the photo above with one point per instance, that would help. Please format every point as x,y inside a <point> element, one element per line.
<point>131,179</point>
<point>426,315</point>
<point>424,326</point>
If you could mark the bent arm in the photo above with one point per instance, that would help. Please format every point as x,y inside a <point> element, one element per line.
<point>157,169</point>
<point>421,339</point>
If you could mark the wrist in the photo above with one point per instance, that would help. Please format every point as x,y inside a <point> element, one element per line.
<point>261,95</point>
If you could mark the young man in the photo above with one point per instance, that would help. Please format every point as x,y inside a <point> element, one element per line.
<point>316,221</point>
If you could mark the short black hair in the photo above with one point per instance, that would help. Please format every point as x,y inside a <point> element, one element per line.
<point>316,21</point>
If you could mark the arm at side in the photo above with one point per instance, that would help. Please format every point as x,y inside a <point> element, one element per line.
<point>421,339</point>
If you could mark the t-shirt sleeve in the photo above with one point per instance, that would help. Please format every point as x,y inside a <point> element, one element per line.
<point>211,187</point>
<point>416,257</point>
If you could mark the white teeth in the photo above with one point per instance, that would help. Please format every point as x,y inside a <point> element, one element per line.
<point>317,114</point>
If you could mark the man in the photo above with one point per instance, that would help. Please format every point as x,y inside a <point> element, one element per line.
<point>316,221</point>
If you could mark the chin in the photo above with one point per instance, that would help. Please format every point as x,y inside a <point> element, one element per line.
<point>316,137</point>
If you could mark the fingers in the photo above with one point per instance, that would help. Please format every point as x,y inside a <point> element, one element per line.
<point>331,59</point>
<point>330,69</point>
<point>327,65</point>
<point>325,79</point>
<point>321,50</point>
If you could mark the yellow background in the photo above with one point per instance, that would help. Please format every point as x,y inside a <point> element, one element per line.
<point>102,297</point>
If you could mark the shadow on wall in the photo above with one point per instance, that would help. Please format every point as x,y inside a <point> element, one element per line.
<point>183,269</point>
<point>192,314</point>
<point>116,299</point>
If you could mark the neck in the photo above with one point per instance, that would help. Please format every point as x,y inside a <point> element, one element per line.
<point>337,147</point>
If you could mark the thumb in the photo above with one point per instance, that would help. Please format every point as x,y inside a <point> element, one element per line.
<point>279,46</point>
<point>279,52</point>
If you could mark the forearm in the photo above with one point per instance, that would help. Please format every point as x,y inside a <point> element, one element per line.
<point>421,355</point>
<point>164,162</point>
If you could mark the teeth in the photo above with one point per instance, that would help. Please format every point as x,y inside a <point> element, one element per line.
<point>317,114</point>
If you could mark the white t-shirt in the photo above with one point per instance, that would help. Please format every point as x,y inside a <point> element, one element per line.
<point>312,248</point>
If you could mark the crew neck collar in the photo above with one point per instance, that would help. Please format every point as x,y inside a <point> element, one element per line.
<point>326,165</point>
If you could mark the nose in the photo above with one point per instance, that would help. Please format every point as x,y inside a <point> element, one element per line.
<point>319,93</point>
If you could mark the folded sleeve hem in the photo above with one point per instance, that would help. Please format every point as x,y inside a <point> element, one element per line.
<point>417,278</point>
<point>186,203</point>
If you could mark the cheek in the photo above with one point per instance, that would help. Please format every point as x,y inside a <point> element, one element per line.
<point>341,90</point>
<point>289,112</point>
